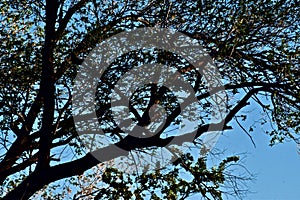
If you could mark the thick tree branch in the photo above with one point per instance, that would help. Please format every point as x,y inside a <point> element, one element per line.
<point>77,167</point>
<point>7,172</point>
<point>47,85</point>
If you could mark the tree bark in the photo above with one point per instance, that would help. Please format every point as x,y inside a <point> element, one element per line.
<point>47,85</point>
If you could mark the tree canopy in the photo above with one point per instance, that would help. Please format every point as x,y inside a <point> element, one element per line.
<point>255,48</point>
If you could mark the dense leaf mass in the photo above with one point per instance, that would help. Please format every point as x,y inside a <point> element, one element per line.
<point>254,44</point>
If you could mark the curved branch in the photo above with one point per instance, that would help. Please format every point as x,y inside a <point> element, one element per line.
<point>65,20</point>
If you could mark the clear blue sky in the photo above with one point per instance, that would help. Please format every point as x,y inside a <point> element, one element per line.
<point>277,168</point>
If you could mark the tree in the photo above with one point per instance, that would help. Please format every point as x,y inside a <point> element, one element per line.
<point>255,46</point>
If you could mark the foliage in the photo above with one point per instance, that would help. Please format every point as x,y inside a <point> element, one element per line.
<point>255,45</point>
